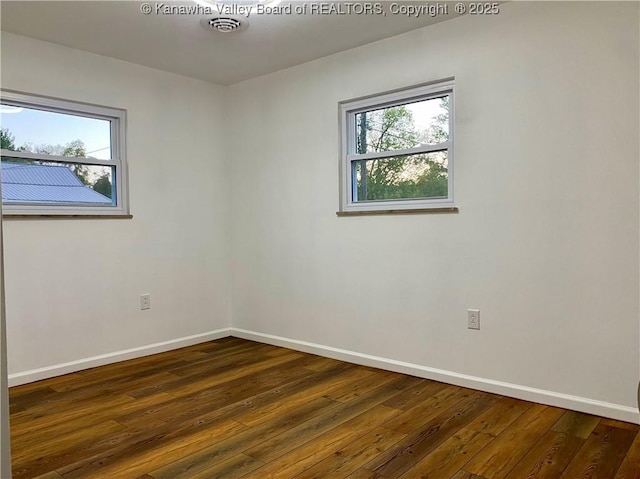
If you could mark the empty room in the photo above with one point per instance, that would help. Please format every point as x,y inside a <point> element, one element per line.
<point>252,239</point>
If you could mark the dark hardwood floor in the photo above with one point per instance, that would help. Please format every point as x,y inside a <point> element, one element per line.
<point>237,409</point>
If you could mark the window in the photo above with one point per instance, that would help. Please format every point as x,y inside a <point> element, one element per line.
<point>397,150</point>
<point>61,157</point>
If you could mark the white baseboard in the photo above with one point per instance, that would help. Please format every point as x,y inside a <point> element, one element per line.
<point>551,398</point>
<point>109,358</point>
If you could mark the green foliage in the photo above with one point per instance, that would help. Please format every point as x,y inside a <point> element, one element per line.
<point>7,140</point>
<point>387,129</point>
<point>437,132</point>
<point>82,172</point>
<point>73,149</point>
<point>76,149</point>
<point>103,185</point>
<point>383,182</point>
<point>416,176</point>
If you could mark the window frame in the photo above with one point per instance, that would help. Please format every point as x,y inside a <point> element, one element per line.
<point>348,110</point>
<point>118,125</point>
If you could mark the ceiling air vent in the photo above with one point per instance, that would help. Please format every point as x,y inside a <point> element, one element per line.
<point>224,24</point>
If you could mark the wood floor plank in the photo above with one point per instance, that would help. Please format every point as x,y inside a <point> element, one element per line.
<point>450,456</point>
<point>191,385</point>
<point>24,423</point>
<point>502,454</point>
<point>399,459</point>
<point>497,418</point>
<point>415,395</point>
<point>56,402</point>
<point>239,356</point>
<point>239,464</point>
<point>211,419</point>
<point>233,468</point>
<point>430,407</point>
<point>466,475</point>
<point>15,408</point>
<point>630,468</point>
<point>63,402</point>
<point>618,424</point>
<point>127,382</point>
<point>69,452</point>
<point>27,398</point>
<point>285,442</point>
<point>272,399</point>
<point>98,377</point>
<point>160,384</point>
<point>167,362</point>
<point>576,424</point>
<point>602,453</point>
<point>245,404</point>
<point>365,474</point>
<point>50,475</point>
<point>127,451</point>
<point>143,456</point>
<point>42,447</point>
<point>370,381</point>
<point>548,458</point>
<point>57,426</point>
<point>310,453</point>
<point>17,391</point>
<point>238,409</point>
<point>239,443</point>
<point>341,384</point>
<point>322,363</point>
<point>217,393</point>
<point>350,458</point>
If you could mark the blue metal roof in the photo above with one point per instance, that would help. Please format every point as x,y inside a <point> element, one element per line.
<point>24,183</point>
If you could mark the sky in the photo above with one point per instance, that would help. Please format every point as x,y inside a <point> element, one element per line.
<point>424,112</point>
<point>41,127</point>
<point>423,115</point>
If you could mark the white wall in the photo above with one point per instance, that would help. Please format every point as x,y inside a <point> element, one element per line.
<point>546,241</point>
<point>5,446</point>
<point>73,285</point>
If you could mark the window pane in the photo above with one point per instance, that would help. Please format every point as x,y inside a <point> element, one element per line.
<point>48,183</point>
<point>45,132</point>
<point>424,175</point>
<point>404,126</point>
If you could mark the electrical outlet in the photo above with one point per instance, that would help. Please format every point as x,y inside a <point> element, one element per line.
<point>473,318</point>
<point>145,301</point>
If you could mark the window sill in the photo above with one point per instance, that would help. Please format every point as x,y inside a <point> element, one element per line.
<point>17,216</point>
<point>414,211</point>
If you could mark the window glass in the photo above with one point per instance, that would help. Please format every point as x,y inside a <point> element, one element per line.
<point>397,150</point>
<point>47,183</point>
<point>53,133</point>
<point>423,175</point>
<point>402,127</point>
<point>61,157</point>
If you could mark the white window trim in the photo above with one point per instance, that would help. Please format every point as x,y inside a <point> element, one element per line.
<point>347,111</point>
<point>118,119</point>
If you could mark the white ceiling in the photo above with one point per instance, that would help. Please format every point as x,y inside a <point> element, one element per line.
<point>180,44</point>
